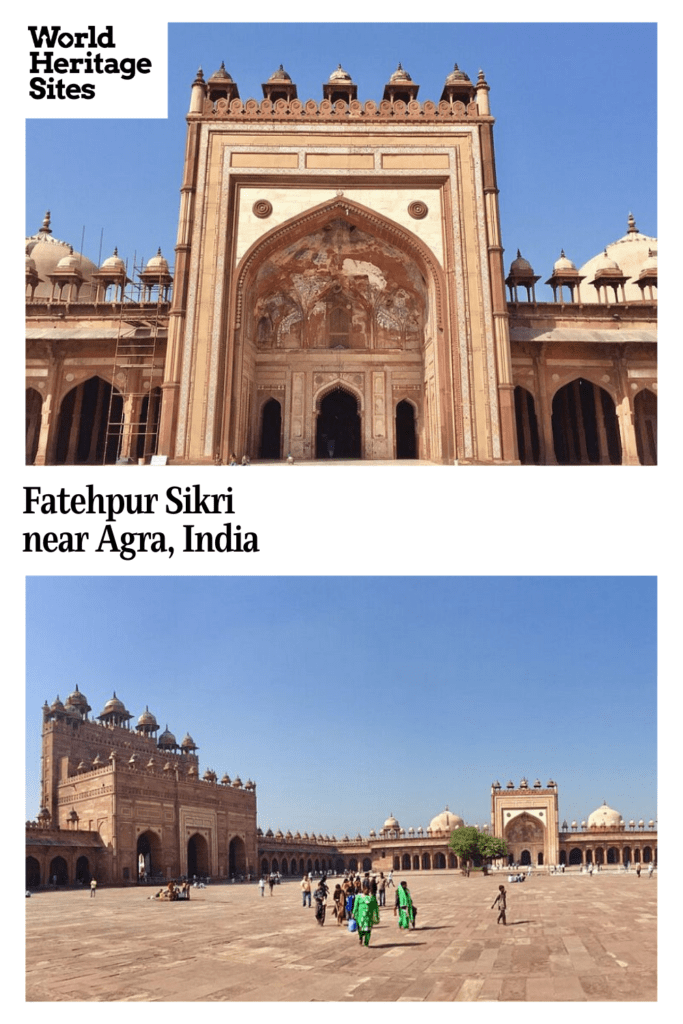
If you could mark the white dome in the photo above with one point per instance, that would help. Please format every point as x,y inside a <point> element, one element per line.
<point>445,822</point>
<point>604,816</point>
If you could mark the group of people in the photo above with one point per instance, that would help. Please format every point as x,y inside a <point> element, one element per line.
<point>173,891</point>
<point>357,901</point>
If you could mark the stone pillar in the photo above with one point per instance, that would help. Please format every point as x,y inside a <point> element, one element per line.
<point>75,426</point>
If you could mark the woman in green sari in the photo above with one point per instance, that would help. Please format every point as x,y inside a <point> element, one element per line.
<point>404,907</point>
<point>366,913</point>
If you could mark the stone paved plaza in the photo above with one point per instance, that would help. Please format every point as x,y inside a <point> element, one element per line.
<point>569,937</point>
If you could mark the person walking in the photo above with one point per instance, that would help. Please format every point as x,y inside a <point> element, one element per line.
<point>651,868</point>
<point>501,899</point>
<point>404,907</point>
<point>381,890</point>
<point>271,882</point>
<point>306,890</point>
<point>366,914</point>
<point>93,888</point>
<point>262,885</point>
<point>638,871</point>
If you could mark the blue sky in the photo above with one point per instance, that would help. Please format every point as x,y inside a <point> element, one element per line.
<point>575,135</point>
<point>349,698</point>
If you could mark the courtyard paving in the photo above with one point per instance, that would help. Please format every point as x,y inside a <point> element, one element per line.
<point>569,938</point>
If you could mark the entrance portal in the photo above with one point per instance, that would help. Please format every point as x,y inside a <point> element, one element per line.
<point>338,429</point>
<point>197,856</point>
<point>406,447</point>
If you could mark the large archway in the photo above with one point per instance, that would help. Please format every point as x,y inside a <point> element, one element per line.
<point>32,873</point>
<point>237,857</point>
<point>148,855</point>
<point>84,415</point>
<point>197,856</point>
<point>338,426</point>
<point>339,292</point>
<point>585,429</point>
<point>59,873</point>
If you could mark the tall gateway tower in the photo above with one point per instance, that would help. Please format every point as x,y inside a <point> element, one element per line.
<point>339,286</point>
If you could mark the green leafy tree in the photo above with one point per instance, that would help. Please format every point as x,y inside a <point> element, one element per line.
<point>468,842</point>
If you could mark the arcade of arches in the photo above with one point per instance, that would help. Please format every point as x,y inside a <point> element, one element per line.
<point>339,293</point>
<point>205,827</point>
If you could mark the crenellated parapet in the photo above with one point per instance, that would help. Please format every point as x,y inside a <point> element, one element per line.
<point>355,110</point>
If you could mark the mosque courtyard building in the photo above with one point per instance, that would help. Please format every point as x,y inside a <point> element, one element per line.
<point>339,291</point>
<point>127,804</point>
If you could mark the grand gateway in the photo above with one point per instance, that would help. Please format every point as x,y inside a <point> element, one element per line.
<point>339,292</point>
<point>126,803</point>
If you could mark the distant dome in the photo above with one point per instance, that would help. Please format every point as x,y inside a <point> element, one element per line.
<point>604,262</point>
<point>400,75</point>
<point>221,73</point>
<point>563,263</point>
<point>114,706</point>
<point>457,75</point>
<point>70,260</point>
<point>280,75</point>
<point>188,743</point>
<point>47,253</point>
<point>445,822</point>
<point>114,262</point>
<point>391,824</point>
<point>340,75</point>
<point>604,816</point>
<point>520,265</point>
<point>157,262</point>
<point>147,720</point>
<point>629,253</point>
<point>78,700</point>
<point>167,739</point>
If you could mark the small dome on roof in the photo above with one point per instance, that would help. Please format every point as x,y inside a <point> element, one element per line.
<point>188,743</point>
<point>114,706</point>
<point>114,262</point>
<point>400,75</point>
<point>340,75</point>
<point>605,263</point>
<point>457,75</point>
<point>167,739</point>
<point>605,816</point>
<point>147,720</point>
<point>77,700</point>
<point>391,823</point>
<point>221,73</point>
<point>563,263</point>
<point>520,266</point>
<point>280,75</point>
<point>157,262</point>
<point>650,263</point>
<point>70,260</point>
<point>47,253</point>
<point>30,262</point>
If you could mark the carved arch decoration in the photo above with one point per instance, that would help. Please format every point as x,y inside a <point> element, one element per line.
<point>356,215</point>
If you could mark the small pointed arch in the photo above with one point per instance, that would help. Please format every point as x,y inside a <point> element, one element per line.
<point>645,419</point>
<point>83,437</point>
<point>406,429</point>
<point>338,425</point>
<point>270,418</point>
<point>528,440</point>
<point>34,408</point>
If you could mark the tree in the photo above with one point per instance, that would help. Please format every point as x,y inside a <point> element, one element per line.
<point>468,842</point>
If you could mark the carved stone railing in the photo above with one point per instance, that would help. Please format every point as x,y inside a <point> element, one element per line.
<point>297,110</point>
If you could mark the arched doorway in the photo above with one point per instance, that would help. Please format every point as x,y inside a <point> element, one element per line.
<point>439,861</point>
<point>585,429</point>
<point>32,873</point>
<point>645,417</point>
<point>338,426</point>
<point>271,429</point>
<point>82,436</point>
<point>34,406</point>
<point>148,856</point>
<point>82,870</point>
<point>197,855</point>
<point>575,856</point>
<point>406,438</point>
<point>405,862</point>
<point>237,857</point>
<point>528,444</point>
<point>59,873</point>
<point>612,855</point>
<point>525,859</point>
